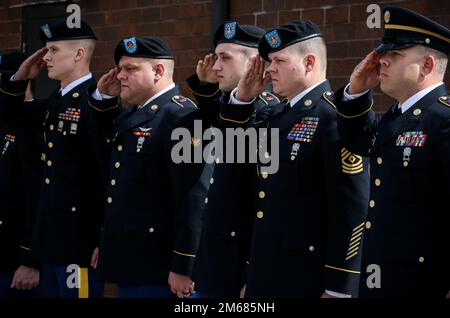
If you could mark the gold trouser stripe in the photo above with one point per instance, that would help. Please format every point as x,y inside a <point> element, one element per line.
<point>342,269</point>
<point>183,254</point>
<point>83,280</point>
<point>414,29</point>
<point>7,93</point>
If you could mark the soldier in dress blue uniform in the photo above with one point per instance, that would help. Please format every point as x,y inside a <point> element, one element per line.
<point>406,243</point>
<point>19,271</point>
<point>152,222</point>
<point>70,206</point>
<point>309,214</point>
<point>220,265</point>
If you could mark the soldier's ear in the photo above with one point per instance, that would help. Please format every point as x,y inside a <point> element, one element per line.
<point>310,61</point>
<point>428,65</point>
<point>159,71</point>
<point>81,52</point>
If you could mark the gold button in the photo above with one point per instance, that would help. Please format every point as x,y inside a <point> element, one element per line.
<point>371,203</point>
<point>154,107</point>
<point>308,102</point>
<point>368,225</point>
<point>1,222</point>
<point>217,160</point>
<point>211,180</point>
<point>233,234</point>
<point>151,230</point>
<point>377,182</point>
<point>292,157</point>
<point>405,163</point>
<point>138,150</point>
<point>117,164</point>
<point>262,194</point>
<point>49,163</point>
<point>43,156</point>
<point>311,248</point>
<point>260,214</point>
<point>119,147</point>
<point>421,259</point>
<point>264,175</point>
<point>74,209</point>
<point>64,133</point>
<point>75,95</point>
<point>50,144</point>
<point>266,155</point>
<point>427,41</point>
<point>417,112</point>
<point>52,127</point>
<point>379,160</point>
<point>206,200</point>
<point>109,200</point>
<point>113,182</point>
<point>47,180</point>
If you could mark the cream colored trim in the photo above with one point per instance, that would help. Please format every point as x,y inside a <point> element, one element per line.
<point>414,29</point>
<point>183,254</point>
<point>11,94</point>
<point>25,248</point>
<point>234,121</point>
<point>102,110</point>
<point>342,269</point>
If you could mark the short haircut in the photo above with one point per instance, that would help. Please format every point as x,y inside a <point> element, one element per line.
<point>441,58</point>
<point>316,46</point>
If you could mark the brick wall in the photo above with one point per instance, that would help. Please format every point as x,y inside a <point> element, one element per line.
<point>186,26</point>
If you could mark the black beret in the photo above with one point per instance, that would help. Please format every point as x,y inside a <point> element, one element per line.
<point>404,28</point>
<point>59,31</point>
<point>10,62</point>
<point>231,32</point>
<point>149,47</point>
<point>286,35</point>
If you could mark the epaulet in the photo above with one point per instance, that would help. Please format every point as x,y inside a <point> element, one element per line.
<point>328,96</point>
<point>445,100</point>
<point>269,98</point>
<point>183,101</point>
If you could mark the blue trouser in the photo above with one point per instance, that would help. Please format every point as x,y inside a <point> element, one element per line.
<point>68,282</point>
<point>144,291</point>
<point>7,292</point>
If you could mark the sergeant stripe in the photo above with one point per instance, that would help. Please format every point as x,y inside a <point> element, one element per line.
<point>11,94</point>
<point>358,227</point>
<point>83,279</point>
<point>355,243</point>
<point>357,232</point>
<point>353,250</point>
<point>350,256</point>
<point>355,237</point>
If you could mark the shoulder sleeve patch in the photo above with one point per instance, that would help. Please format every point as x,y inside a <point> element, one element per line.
<point>329,97</point>
<point>269,98</point>
<point>445,100</point>
<point>183,101</point>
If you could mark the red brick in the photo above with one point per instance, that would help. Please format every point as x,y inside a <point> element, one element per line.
<point>183,27</point>
<point>182,73</point>
<point>238,7</point>
<point>10,27</point>
<point>151,14</point>
<point>103,48</point>
<point>363,32</point>
<point>315,15</point>
<point>273,5</point>
<point>244,19</point>
<point>336,50</point>
<point>341,32</point>
<point>107,33</point>
<point>127,30</point>
<point>13,13</point>
<point>95,19</point>
<point>2,14</point>
<point>170,12</point>
<point>90,6</point>
<point>341,67</point>
<point>358,13</point>
<point>267,21</point>
<point>287,16</point>
<point>195,10</point>
<point>202,25</point>
<point>336,14</point>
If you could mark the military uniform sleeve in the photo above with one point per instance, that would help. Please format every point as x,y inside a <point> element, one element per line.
<point>347,187</point>
<point>12,95</point>
<point>189,188</point>
<point>357,121</point>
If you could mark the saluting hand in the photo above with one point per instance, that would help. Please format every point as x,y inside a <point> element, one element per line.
<point>109,84</point>
<point>365,74</point>
<point>204,69</point>
<point>32,66</point>
<point>94,258</point>
<point>253,82</point>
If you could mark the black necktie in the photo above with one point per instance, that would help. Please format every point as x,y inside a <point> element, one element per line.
<point>286,107</point>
